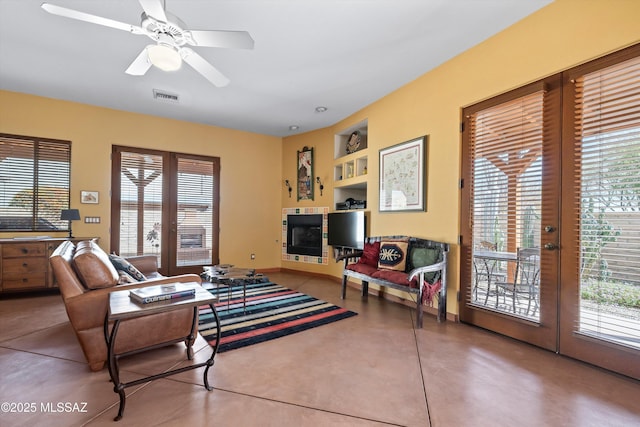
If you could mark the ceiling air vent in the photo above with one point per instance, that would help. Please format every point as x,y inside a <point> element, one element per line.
<point>165,96</point>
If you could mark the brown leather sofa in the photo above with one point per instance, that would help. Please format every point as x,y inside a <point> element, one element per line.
<point>86,277</point>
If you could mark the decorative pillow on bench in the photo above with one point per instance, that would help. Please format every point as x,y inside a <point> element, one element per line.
<point>393,255</point>
<point>370,254</point>
<point>368,262</point>
<point>421,257</point>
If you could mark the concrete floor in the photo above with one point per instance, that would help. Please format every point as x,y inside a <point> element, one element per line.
<point>371,369</point>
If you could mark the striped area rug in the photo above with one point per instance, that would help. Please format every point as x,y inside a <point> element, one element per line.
<point>272,311</point>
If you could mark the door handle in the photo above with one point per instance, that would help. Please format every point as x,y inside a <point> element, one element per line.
<point>549,229</point>
<point>550,246</point>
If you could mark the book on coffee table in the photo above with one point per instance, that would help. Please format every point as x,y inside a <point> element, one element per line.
<point>161,292</point>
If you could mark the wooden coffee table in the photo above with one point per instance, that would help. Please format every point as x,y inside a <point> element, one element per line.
<point>121,307</point>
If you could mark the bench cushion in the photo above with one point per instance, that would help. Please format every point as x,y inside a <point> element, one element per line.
<point>362,268</point>
<point>393,276</point>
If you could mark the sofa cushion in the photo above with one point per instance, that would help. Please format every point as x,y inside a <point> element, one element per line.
<point>93,267</point>
<point>362,268</point>
<point>393,255</point>
<point>122,265</point>
<point>394,276</point>
<point>370,254</point>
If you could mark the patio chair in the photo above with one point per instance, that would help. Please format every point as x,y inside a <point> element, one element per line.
<point>486,272</point>
<point>526,280</point>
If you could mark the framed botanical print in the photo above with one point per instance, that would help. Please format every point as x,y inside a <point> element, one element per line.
<point>305,174</point>
<point>402,176</point>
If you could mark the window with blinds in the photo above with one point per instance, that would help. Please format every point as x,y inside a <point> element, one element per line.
<point>141,203</point>
<point>506,154</point>
<point>34,183</point>
<point>607,147</point>
<point>196,188</point>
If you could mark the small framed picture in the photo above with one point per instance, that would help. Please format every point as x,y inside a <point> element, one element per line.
<point>89,197</point>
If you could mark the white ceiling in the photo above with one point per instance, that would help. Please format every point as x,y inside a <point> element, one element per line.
<point>341,54</point>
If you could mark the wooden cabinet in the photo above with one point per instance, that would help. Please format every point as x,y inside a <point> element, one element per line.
<point>24,264</point>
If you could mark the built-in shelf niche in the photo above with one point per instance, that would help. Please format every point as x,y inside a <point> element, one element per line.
<point>350,170</point>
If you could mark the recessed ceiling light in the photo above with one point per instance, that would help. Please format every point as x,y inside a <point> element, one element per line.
<point>321,109</point>
<point>294,127</point>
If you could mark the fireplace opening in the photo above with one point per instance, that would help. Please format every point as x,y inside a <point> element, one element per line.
<point>304,234</point>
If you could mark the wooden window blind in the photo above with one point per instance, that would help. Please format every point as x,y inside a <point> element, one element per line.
<point>607,164</point>
<point>506,149</point>
<point>141,203</point>
<point>197,192</point>
<point>505,146</point>
<point>34,183</point>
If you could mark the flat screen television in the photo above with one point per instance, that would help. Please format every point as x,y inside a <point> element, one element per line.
<point>347,229</point>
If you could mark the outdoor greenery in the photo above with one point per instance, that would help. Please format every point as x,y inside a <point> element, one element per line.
<point>616,190</point>
<point>613,293</point>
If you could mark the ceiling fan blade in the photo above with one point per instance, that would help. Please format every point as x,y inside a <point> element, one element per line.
<point>228,39</point>
<point>93,19</point>
<point>154,9</point>
<point>140,65</point>
<point>203,67</point>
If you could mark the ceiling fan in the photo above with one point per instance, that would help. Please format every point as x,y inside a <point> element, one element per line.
<point>171,38</point>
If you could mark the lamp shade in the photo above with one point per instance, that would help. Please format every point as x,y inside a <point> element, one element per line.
<point>164,57</point>
<point>70,214</point>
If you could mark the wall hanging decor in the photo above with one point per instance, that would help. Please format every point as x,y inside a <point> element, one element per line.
<point>89,197</point>
<point>305,174</point>
<point>403,176</point>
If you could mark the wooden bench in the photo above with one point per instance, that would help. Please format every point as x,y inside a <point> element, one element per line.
<point>424,261</point>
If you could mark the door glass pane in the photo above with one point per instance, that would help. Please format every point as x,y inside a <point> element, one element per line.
<point>141,204</point>
<point>194,212</point>
<point>506,150</point>
<point>608,164</point>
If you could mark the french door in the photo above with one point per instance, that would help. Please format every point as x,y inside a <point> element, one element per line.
<point>600,296</point>
<point>510,214</point>
<point>550,214</point>
<point>167,205</point>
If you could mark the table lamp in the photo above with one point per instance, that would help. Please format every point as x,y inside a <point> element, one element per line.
<point>70,215</point>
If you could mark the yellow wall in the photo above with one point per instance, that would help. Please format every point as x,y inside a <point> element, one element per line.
<point>250,165</point>
<point>254,167</point>
<point>561,35</point>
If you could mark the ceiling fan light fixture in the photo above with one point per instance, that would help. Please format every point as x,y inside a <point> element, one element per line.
<point>164,57</point>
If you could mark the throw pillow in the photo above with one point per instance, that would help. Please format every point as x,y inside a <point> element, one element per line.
<point>393,255</point>
<point>122,264</point>
<point>421,257</point>
<point>370,254</point>
<point>125,278</point>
